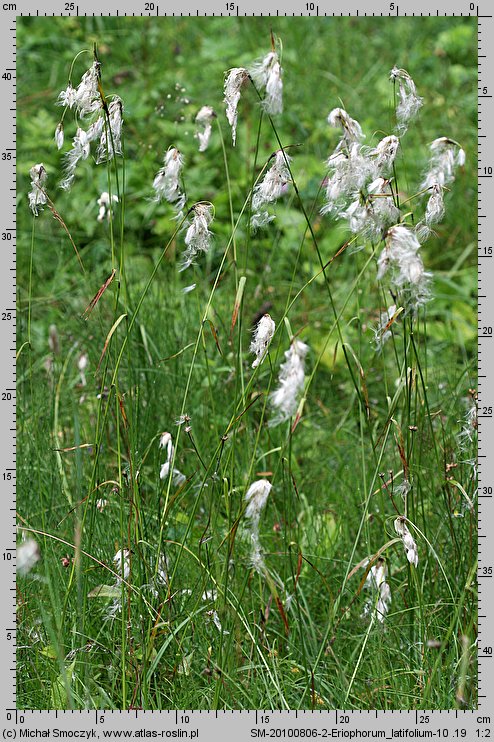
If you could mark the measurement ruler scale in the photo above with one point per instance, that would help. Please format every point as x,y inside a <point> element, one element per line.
<point>255,724</point>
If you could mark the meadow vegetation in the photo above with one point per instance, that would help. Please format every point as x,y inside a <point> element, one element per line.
<point>199,541</point>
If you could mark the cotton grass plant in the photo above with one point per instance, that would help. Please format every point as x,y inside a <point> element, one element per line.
<point>304,535</point>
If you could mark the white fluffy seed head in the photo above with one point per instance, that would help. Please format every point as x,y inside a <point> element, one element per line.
<point>79,151</point>
<point>267,74</point>
<point>198,236</point>
<point>352,131</point>
<point>273,102</point>
<point>121,561</point>
<point>86,97</point>
<point>94,131</point>
<point>256,498</point>
<point>370,214</point>
<point>401,238</point>
<point>411,270</point>
<point>384,154</point>
<point>162,570</point>
<point>376,581</point>
<point>469,431</point>
<point>110,135</point>
<point>350,169</point>
<point>59,137</point>
<point>67,97</point>
<point>177,477</point>
<point>83,362</point>
<point>166,441</point>
<point>37,195</point>
<point>204,120</point>
<point>434,211</point>
<point>446,156</point>
<point>383,263</point>
<point>235,79</point>
<point>38,174</point>
<point>257,556</point>
<point>382,333</point>
<point>27,555</point>
<point>274,184</point>
<point>260,69</point>
<point>291,379</point>
<point>403,488</point>
<point>403,247</point>
<point>115,114</point>
<point>409,102</point>
<point>205,114</point>
<point>166,183</point>
<point>401,255</point>
<point>105,205</point>
<point>377,574</point>
<point>263,334</point>
<point>409,544</point>
<point>384,601</point>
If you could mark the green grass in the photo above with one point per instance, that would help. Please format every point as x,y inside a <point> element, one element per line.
<point>294,637</point>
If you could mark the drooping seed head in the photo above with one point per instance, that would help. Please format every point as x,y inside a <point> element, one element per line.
<point>37,195</point>
<point>263,334</point>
